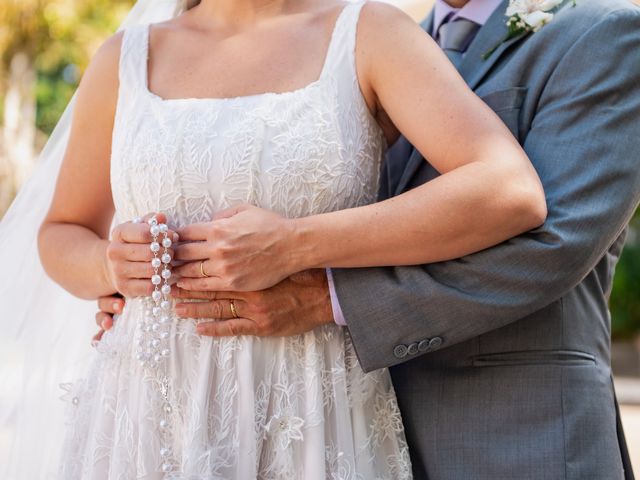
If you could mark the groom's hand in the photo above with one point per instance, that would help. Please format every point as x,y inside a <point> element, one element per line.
<point>296,305</point>
<point>108,307</point>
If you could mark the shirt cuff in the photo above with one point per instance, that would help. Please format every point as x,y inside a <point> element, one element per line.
<point>338,316</point>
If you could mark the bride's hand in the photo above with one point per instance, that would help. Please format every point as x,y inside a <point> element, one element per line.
<point>245,248</point>
<point>128,257</point>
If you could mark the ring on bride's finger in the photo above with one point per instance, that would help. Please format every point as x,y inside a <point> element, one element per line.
<point>202,272</point>
<point>232,306</point>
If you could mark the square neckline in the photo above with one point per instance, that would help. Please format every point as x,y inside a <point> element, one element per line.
<point>309,86</point>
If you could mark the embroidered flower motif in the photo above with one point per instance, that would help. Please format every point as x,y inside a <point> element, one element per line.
<point>526,16</point>
<point>400,465</point>
<point>285,429</point>
<point>387,422</point>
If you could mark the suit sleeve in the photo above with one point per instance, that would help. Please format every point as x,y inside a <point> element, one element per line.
<point>585,144</point>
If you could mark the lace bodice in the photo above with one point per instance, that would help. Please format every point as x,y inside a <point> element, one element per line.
<point>311,150</point>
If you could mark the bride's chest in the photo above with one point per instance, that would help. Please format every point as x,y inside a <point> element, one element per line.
<point>297,156</point>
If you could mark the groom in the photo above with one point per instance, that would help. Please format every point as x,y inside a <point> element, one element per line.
<point>501,360</point>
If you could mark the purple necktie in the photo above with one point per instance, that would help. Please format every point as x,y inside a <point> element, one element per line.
<point>455,36</point>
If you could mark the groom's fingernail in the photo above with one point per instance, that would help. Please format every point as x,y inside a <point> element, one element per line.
<point>116,306</point>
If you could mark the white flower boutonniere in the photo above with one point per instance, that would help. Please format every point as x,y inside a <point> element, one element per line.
<point>526,16</point>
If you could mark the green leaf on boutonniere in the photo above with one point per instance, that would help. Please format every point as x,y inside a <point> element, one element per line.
<point>526,16</point>
<point>516,26</point>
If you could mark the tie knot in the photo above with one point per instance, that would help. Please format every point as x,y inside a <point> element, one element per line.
<point>457,35</point>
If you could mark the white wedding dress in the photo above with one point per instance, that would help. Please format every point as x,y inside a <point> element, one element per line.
<point>236,408</point>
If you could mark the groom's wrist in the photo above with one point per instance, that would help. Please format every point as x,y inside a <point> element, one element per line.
<point>336,310</point>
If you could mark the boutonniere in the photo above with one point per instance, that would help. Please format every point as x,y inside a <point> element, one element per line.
<point>525,16</point>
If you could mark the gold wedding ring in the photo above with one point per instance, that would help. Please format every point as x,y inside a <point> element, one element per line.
<point>202,272</point>
<point>232,306</point>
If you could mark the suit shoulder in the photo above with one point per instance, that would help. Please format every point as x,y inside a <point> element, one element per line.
<point>591,21</point>
<point>600,8</point>
<point>585,14</point>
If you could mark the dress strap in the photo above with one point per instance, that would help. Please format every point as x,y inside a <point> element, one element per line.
<point>341,51</point>
<point>133,59</point>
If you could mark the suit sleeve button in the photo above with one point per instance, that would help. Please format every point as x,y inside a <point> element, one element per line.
<point>400,351</point>
<point>435,342</point>
<point>413,349</point>
<point>423,346</point>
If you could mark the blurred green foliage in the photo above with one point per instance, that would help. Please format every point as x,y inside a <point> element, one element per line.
<point>62,35</point>
<point>625,297</point>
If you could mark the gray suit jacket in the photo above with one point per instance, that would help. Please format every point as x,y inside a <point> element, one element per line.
<point>501,359</point>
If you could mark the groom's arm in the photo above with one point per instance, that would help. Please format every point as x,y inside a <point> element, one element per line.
<point>585,145</point>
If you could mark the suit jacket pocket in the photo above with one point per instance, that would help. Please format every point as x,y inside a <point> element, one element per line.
<point>535,357</point>
<point>507,104</point>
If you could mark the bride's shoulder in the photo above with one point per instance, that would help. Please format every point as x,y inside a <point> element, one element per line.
<point>98,87</point>
<point>385,26</point>
<point>381,20</point>
<point>384,33</point>
<point>106,59</point>
<point>110,48</point>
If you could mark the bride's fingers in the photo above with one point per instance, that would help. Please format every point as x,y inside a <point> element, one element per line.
<point>139,233</point>
<point>160,217</point>
<point>142,270</point>
<point>137,288</point>
<point>195,269</point>
<point>228,328</point>
<point>137,252</point>
<point>195,232</point>
<point>192,250</point>
<point>131,232</point>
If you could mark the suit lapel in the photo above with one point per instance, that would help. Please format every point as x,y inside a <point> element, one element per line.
<point>474,67</point>
<point>493,33</point>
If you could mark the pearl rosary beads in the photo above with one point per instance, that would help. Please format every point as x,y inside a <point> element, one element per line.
<point>153,336</point>
<point>153,347</point>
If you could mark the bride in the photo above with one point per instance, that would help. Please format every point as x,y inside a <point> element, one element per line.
<point>287,105</point>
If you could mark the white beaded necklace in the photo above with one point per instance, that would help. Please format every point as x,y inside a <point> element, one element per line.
<point>153,334</point>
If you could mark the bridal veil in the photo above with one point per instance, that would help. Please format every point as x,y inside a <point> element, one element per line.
<point>45,332</point>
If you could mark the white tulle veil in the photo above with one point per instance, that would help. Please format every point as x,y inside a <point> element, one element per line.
<point>45,332</point>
